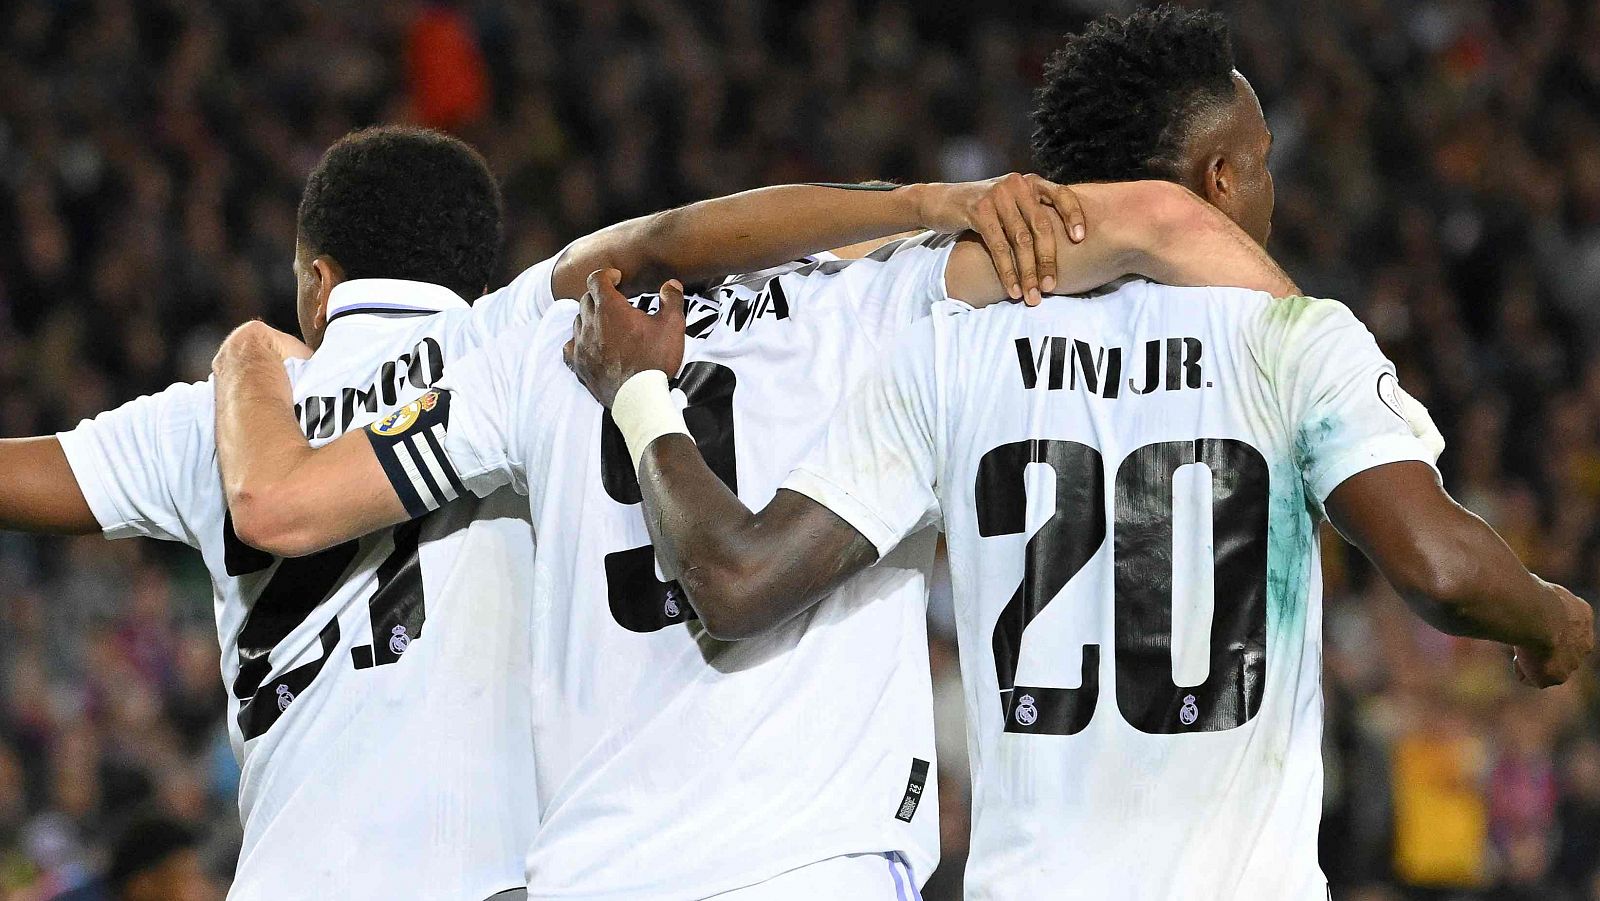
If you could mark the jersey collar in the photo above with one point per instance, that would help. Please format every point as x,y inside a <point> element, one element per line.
<point>393,296</point>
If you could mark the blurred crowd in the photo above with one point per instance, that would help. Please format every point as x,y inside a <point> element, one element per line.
<point>1438,168</point>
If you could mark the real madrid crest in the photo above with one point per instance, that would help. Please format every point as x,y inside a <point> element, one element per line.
<point>398,421</point>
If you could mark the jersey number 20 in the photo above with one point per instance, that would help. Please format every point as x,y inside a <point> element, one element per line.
<point>1142,559</point>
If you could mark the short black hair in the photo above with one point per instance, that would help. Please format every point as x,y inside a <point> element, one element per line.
<point>145,844</point>
<point>1118,100</point>
<point>405,202</point>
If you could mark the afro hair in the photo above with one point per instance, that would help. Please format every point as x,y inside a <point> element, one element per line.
<point>1118,100</point>
<point>405,202</point>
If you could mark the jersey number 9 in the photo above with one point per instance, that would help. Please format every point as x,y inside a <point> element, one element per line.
<point>640,602</point>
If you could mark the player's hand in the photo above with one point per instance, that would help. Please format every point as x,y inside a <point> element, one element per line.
<point>1025,222</point>
<point>1573,642</point>
<point>612,341</point>
<point>256,337</point>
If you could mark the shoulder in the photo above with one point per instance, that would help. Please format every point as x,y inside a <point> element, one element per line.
<point>1297,321</point>
<point>1245,301</point>
<point>521,349</point>
<point>182,403</point>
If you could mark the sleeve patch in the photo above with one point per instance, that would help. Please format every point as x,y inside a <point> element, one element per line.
<point>410,445</point>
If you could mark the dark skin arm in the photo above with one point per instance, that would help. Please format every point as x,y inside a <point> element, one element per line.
<point>747,572</point>
<point>1456,573</point>
<point>744,572</point>
<point>41,494</point>
<point>1017,217</point>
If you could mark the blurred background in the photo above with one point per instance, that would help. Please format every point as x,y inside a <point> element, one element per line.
<point>1438,169</point>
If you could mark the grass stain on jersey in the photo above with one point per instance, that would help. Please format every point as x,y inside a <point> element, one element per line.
<point>1289,557</point>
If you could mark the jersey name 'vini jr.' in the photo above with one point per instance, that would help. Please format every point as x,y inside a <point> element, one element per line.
<point>1059,362</point>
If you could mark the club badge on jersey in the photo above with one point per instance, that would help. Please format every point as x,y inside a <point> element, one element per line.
<point>401,420</point>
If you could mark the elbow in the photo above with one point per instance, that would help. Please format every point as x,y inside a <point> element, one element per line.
<point>1438,586</point>
<point>263,520</point>
<point>730,607</point>
<point>724,626</point>
<point>649,266</point>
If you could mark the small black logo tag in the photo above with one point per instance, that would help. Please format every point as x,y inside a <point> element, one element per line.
<point>914,786</point>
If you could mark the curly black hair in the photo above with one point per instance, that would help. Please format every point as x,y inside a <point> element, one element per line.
<point>1118,100</point>
<point>405,202</point>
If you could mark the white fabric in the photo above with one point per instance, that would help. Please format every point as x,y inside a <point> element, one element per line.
<point>1167,778</point>
<point>392,294</point>
<point>412,778</point>
<point>708,766</point>
<point>856,877</point>
<point>644,410</point>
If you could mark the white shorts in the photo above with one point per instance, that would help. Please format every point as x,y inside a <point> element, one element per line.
<point>868,877</point>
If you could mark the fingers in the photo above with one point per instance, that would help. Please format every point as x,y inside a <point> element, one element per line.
<point>566,352</point>
<point>1066,202</point>
<point>600,282</point>
<point>672,312</point>
<point>1015,208</point>
<point>1044,248</point>
<point>603,287</point>
<point>1540,671</point>
<point>1524,673</point>
<point>986,222</point>
<point>1058,242</point>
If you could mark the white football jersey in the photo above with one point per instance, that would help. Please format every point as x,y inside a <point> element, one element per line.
<point>671,765</point>
<point>1130,485</point>
<point>378,691</point>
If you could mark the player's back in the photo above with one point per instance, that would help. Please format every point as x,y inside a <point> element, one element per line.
<point>377,690</point>
<point>674,766</point>
<point>1129,484</point>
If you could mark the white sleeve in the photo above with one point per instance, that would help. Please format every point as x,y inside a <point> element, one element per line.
<point>877,465</point>
<point>469,433</point>
<point>1340,395</point>
<point>523,302</point>
<point>908,279</point>
<point>137,464</point>
<point>895,285</point>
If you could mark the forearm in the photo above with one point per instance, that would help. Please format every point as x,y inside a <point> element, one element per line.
<point>700,529</point>
<point>42,493</point>
<point>1185,241</point>
<point>1479,589</point>
<point>744,572</point>
<point>259,444</point>
<point>739,233</point>
<point>1446,563</point>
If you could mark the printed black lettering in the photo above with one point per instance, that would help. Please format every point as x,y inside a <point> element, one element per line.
<point>1152,368</point>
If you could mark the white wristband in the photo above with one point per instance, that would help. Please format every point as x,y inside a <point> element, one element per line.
<point>644,411</point>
